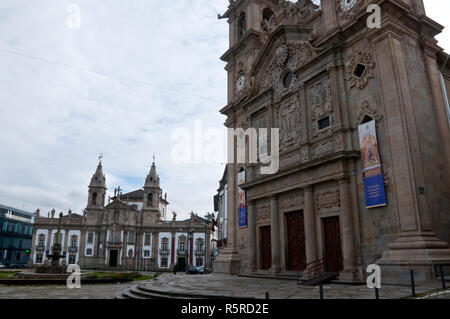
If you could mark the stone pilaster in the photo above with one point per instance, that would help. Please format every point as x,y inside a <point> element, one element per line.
<point>310,226</point>
<point>348,243</point>
<point>275,235</point>
<point>251,242</point>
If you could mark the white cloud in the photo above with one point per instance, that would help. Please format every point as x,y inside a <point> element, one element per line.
<point>56,120</point>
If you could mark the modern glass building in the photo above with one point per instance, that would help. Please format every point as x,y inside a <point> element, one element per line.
<point>16,229</point>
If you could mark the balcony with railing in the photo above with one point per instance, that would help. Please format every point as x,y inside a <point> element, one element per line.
<point>39,248</point>
<point>73,249</point>
<point>199,251</point>
<point>164,251</point>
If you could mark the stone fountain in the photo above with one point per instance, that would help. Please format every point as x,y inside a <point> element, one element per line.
<point>54,267</point>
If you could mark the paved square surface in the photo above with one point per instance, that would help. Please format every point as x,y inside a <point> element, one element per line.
<point>216,284</point>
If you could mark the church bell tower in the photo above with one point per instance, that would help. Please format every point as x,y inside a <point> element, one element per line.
<point>97,189</point>
<point>152,192</point>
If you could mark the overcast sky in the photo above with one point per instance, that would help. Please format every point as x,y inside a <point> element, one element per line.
<point>154,67</point>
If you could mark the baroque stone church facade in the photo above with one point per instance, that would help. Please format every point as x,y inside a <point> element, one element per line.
<point>130,232</point>
<point>317,72</point>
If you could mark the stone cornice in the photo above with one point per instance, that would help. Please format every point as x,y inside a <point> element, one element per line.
<point>342,155</point>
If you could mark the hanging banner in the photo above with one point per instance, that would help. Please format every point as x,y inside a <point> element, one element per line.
<point>242,212</point>
<point>371,163</point>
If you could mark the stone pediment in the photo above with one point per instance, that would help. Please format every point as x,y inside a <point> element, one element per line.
<point>286,51</point>
<point>274,47</point>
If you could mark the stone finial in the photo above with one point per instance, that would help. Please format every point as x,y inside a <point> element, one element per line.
<point>38,211</point>
<point>52,213</point>
<point>174,218</point>
<point>69,213</point>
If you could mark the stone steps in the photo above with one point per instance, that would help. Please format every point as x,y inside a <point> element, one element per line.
<point>149,291</point>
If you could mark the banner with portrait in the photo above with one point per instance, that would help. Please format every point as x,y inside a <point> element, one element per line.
<point>242,211</point>
<point>373,175</point>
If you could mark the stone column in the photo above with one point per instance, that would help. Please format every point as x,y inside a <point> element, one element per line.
<point>348,245</point>
<point>275,235</point>
<point>229,260</point>
<point>416,246</point>
<point>251,242</point>
<point>310,226</point>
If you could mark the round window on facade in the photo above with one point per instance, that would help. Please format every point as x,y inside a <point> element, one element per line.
<point>287,80</point>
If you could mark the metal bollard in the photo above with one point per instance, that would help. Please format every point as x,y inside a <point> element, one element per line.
<point>441,272</point>
<point>413,286</point>
<point>321,290</point>
<point>377,295</point>
<point>267,295</point>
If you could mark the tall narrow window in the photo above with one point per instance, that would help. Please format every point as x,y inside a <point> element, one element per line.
<point>150,199</point>
<point>90,238</point>
<point>94,198</point>
<point>147,239</point>
<point>267,14</point>
<point>131,237</point>
<point>242,25</point>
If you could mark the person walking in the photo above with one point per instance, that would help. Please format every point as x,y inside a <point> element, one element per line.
<point>175,269</point>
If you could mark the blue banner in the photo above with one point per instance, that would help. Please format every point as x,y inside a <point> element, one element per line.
<point>242,212</point>
<point>374,190</point>
<point>242,216</point>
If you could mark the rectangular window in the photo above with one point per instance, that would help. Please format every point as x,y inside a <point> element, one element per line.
<point>147,239</point>
<point>72,259</point>
<point>89,252</point>
<point>131,237</point>
<point>147,253</point>
<point>324,123</point>
<point>41,243</point>
<point>182,246</point>
<point>164,247</point>
<point>164,263</point>
<point>199,262</point>
<point>74,243</point>
<point>38,259</point>
<point>90,238</point>
<point>116,237</point>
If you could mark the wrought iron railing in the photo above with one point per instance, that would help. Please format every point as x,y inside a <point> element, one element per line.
<point>164,251</point>
<point>39,248</point>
